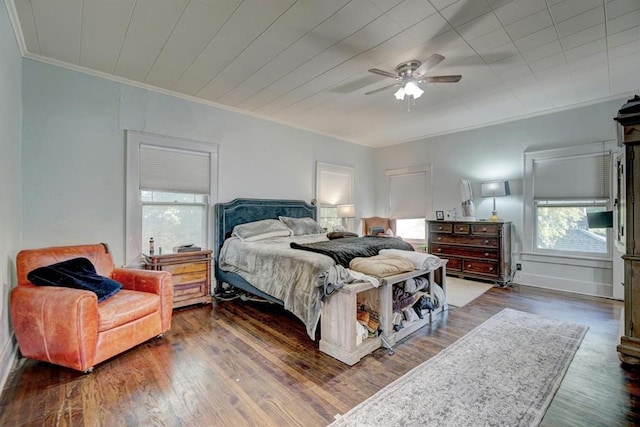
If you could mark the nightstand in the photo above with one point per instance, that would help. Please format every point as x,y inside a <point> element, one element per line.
<point>191,273</point>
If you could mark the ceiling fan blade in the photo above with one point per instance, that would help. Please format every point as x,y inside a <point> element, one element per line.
<point>383,73</point>
<point>383,88</point>
<point>431,62</point>
<point>441,79</point>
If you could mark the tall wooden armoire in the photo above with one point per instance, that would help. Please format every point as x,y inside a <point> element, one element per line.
<point>629,134</point>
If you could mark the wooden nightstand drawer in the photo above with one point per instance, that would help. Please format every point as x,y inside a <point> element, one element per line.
<point>185,268</point>
<point>188,291</point>
<point>488,268</point>
<point>179,279</point>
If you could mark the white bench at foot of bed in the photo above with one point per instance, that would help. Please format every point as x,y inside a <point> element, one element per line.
<point>338,321</point>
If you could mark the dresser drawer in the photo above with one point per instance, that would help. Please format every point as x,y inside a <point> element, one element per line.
<point>486,230</point>
<point>454,264</point>
<point>461,228</point>
<point>480,267</point>
<point>491,242</point>
<point>462,251</point>
<point>441,228</point>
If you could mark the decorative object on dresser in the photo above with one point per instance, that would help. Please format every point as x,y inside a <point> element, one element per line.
<point>495,189</point>
<point>505,372</point>
<point>191,272</point>
<point>629,136</point>
<point>475,249</point>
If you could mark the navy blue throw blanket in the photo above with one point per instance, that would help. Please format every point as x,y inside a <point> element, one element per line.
<point>344,250</point>
<point>77,273</point>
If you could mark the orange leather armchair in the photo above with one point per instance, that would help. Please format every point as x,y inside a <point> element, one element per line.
<point>68,327</point>
<point>376,221</point>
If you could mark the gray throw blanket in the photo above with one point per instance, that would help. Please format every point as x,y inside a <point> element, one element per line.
<point>342,251</point>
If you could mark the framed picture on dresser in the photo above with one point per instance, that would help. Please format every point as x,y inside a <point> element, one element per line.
<point>440,215</point>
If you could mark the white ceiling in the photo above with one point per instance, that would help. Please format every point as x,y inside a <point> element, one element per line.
<point>304,63</point>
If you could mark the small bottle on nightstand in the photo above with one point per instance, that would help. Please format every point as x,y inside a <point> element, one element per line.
<point>151,246</point>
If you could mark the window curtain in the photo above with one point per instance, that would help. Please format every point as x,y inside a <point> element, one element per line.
<point>575,177</point>
<point>169,169</point>
<point>408,195</point>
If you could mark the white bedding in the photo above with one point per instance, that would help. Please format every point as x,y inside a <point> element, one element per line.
<point>293,276</point>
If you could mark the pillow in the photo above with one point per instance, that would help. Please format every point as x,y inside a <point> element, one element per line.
<point>259,230</point>
<point>340,234</point>
<point>301,226</point>
<point>76,273</point>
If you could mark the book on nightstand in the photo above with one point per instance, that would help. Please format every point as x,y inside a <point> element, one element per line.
<point>189,248</point>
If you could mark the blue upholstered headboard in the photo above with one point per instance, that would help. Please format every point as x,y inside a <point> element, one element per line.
<point>240,211</point>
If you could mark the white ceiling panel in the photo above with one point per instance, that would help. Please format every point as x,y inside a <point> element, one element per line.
<point>519,9</point>
<point>152,23</point>
<point>305,63</point>
<point>530,25</point>
<point>248,21</point>
<point>103,30</point>
<point>58,41</point>
<point>197,26</point>
<point>29,33</point>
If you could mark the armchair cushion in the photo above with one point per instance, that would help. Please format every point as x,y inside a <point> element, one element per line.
<point>76,273</point>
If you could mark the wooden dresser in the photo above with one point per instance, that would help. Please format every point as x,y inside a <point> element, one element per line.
<point>478,249</point>
<point>629,348</point>
<point>191,275</point>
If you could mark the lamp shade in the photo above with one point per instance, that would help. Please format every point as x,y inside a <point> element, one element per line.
<point>346,211</point>
<point>495,189</point>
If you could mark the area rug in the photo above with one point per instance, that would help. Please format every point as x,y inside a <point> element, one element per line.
<point>505,372</point>
<point>461,292</point>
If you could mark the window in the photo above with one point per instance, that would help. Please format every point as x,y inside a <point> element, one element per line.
<point>562,226</point>
<point>173,219</point>
<point>409,201</point>
<point>562,186</point>
<point>171,186</point>
<point>334,186</point>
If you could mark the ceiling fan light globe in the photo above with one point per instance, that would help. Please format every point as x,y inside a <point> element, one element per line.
<point>399,94</point>
<point>413,89</point>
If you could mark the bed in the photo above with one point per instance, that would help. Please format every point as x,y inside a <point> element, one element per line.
<point>301,288</point>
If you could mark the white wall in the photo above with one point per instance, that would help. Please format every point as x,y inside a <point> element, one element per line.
<point>74,151</point>
<point>10,190</point>
<point>496,152</point>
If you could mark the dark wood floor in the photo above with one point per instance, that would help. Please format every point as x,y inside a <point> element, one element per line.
<point>239,363</point>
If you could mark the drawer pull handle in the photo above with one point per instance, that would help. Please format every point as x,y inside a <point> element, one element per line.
<point>439,238</point>
<point>486,254</point>
<point>490,268</point>
<point>484,229</point>
<point>468,265</point>
<point>439,249</point>
<point>440,228</point>
<point>486,241</point>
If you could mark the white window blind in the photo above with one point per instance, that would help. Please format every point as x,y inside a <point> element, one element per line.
<point>408,195</point>
<point>575,177</point>
<point>335,185</point>
<point>169,169</point>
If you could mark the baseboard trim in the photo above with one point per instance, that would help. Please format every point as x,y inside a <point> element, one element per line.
<point>604,290</point>
<point>8,359</point>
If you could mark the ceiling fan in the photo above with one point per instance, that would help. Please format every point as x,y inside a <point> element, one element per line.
<point>409,75</point>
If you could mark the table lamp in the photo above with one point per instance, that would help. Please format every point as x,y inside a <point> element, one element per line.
<point>345,212</point>
<point>495,189</point>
